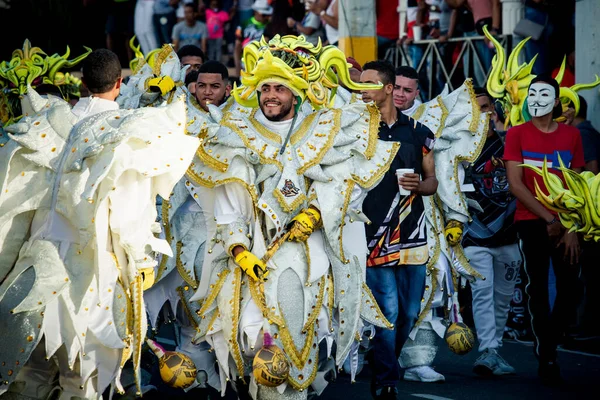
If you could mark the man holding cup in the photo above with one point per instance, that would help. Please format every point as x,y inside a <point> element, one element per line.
<point>396,238</point>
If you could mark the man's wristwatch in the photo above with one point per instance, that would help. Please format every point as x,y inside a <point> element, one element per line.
<point>551,222</point>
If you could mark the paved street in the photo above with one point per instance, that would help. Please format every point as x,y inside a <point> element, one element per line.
<point>580,370</point>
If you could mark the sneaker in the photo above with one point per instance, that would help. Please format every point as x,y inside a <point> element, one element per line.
<point>386,393</point>
<point>487,363</point>
<point>423,373</point>
<point>503,367</point>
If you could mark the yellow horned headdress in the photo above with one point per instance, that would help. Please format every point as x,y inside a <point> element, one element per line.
<point>509,82</point>
<point>32,66</point>
<point>310,72</point>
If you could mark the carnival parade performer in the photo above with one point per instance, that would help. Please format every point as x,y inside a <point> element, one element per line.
<point>78,234</point>
<point>288,181</point>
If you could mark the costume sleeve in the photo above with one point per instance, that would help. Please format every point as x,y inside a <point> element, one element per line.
<point>578,152</point>
<point>233,213</point>
<point>512,146</point>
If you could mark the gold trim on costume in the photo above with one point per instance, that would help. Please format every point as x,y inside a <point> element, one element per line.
<point>301,132</point>
<point>211,297</point>
<point>182,271</point>
<point>378,311</point>
<point>235,346</point>
<point>347,198</point>
<point>307,381</point>
<point>165,218</point>
<point>272,136</point>
<point>442,118</point>
<point>337,115</point>
<point>373,133</point>
<point>419,112</point>
<point>367,183</point>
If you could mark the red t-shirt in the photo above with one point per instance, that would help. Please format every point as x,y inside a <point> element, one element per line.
<point>528,145</point>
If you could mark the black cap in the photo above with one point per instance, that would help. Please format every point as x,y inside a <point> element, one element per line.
<point>547,78</point>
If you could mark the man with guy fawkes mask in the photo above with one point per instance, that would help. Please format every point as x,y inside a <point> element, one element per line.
<point>542,138</point>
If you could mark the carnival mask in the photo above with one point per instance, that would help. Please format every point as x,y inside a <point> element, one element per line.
<point>540,99</point>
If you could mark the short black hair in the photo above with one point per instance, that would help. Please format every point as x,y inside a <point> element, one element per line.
<point>101,69</point>
<point>191,76</point>
<point>582,107</point>
<point>191,50</point>
<point>547,78</point>
<point>407,72</point>
<point>214,67</point>
<point>481,91</point>
<point>384,68</point>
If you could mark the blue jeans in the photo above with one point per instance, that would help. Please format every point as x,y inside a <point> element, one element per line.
<point>398,291</point>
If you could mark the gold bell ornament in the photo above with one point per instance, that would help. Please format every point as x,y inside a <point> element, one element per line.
<point>270,365</point>
<point>176,369</point>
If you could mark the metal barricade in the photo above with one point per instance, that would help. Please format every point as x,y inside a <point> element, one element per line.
<point>437,72</point>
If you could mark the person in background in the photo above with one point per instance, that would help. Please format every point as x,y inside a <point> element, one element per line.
<point>191,55</point>
<point>164,19</point>
<point>310,26</point>
<point>588,328</point>
<point>119,28</point>
<point>212,84</point>
<point>542,236</point>
<point>328,11</point>
<point>254,30</point>
<point>590,137</point>
<point>143,26</point>
<point>491,245</point>
<point>396,266</point>
<point>190,30</point>
<point>216,18</point>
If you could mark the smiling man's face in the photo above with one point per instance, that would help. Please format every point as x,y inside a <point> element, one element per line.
<point>277,102</point>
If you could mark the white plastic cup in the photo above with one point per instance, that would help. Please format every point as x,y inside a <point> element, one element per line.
<point>399,173</point>
<point>417,33</point>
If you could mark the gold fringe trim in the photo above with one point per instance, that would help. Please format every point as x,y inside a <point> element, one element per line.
<point>315,313</point>
<point>376,307</point>
<point>330,299</point>
<point>337,116</point>
<point>284,206</point>
<point>301,132</point>
<point>216,288</point>
<point>264,160</point>
<point>186,307</point>
<point>347,198</point>
<point>302,386</point>
<point>474,106</point>
<point>367,183</point>
<point>165,218</point>
<point>210,183</point>
<point>210,160</point>
<point>272,136</point>
<point>235,346</point>
<point>442,118</point>
<point>373,133</point>
<point>419,112</point>
<point>182,271</point>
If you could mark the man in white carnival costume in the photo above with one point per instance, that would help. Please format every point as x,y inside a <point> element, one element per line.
<point>288,252</point>
<point>460,130</point>
<point>77,234</point>
<point>183,215</point>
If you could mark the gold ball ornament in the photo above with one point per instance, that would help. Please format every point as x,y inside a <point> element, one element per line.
<point>459,338</point>
<point>270,365</point>
<point>176,369</point>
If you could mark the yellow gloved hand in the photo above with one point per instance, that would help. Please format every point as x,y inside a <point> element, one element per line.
<point>147,277</point>
<point>304,224</point>
<point>453,232</point>
<point>251,265</point>
<point>162,84</point>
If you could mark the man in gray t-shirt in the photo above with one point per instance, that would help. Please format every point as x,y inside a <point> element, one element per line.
<point>190,30</point>
<point>311,27</point>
